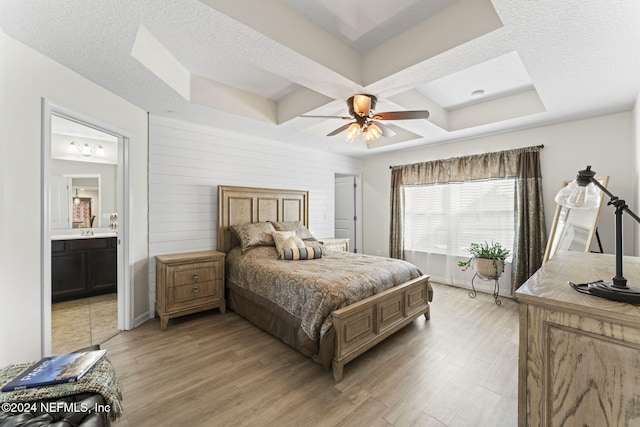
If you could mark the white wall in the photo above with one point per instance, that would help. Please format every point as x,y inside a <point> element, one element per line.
<point>606,143</point>
<point>187,162</point>
<point>26,77</point>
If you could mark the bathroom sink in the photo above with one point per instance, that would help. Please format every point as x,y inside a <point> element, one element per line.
<point>73,236</point>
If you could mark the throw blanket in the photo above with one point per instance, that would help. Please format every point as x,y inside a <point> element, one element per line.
<point>100,379</point>
<point>313,289</point>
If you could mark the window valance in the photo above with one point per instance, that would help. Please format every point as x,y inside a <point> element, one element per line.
<point>494,165</point>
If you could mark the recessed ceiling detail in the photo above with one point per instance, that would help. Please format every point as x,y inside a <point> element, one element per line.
<point>153,55</point>
<point>507,93</point>
<point>499,76</point>
<point>255,66</point>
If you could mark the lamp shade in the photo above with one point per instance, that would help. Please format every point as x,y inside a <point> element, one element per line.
<point>352,132</point>
<point>578,196</point>
<point>373,132</point>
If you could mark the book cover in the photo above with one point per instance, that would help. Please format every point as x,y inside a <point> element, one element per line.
<point>64,368</point>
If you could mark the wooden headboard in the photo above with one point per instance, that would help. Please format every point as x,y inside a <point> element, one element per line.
<point>240,205</point>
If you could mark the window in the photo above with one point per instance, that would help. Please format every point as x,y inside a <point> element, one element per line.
<point>447,218</point>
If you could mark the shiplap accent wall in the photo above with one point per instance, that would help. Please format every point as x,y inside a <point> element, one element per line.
<point>187,162</point>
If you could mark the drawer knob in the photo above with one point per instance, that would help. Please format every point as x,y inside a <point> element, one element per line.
<point>195,289</point>
<point>195,277</point>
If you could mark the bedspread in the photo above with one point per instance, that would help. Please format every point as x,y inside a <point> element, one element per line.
<point>312,289</point>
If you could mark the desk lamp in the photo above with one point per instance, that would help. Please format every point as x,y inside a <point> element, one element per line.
<point>581,193</point>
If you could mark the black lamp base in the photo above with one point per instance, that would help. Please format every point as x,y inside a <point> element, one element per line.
<point>628,294</point>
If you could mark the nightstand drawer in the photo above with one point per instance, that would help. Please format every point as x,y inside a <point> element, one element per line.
<point>189,294</point>
<point>190,274</point>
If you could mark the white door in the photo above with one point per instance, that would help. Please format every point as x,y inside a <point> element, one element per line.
<point>345,210</point>
<point>60,203</point>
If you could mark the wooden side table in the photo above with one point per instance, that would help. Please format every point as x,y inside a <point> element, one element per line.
<point>335,244</point>
<point>188,283</point>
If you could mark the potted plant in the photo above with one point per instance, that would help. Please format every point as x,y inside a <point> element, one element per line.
<point>489,259</point>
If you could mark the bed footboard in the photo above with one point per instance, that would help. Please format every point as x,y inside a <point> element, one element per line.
<point>360,326</point>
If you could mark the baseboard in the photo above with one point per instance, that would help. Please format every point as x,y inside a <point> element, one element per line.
<point>141,319</point>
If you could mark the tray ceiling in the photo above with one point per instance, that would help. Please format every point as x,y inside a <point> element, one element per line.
<point>255,66</point>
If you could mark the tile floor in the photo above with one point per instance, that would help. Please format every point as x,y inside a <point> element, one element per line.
<point>83,322</point>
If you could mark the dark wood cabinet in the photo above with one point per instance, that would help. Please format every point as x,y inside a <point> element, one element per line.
<point>83,267</point>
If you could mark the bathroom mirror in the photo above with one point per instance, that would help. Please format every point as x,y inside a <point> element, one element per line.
<point>573,229</point>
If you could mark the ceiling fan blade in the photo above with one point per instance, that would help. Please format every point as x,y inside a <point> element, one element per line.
<point>328,117</point>
<point>402,115</point>
<point>362,105</point>
<point>386,132</point>
<point>340,129</point>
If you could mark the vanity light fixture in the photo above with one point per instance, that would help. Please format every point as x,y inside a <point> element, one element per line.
<point>85,150</point>
<point>580,194</point>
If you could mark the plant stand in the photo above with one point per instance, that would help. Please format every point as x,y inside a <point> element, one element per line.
<point>496,287</point>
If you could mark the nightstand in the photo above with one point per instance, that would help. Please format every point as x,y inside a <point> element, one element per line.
<point>188,283</point>
<point>335,244</point>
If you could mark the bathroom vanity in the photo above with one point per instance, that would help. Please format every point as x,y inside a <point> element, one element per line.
<point>83,266</point>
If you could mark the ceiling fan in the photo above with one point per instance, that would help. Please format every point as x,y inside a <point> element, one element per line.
<point>361,109</point>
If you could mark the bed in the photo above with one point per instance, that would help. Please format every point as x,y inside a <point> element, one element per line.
<point>331,330</point>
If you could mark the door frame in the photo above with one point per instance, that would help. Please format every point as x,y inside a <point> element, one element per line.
<point>124,289</point>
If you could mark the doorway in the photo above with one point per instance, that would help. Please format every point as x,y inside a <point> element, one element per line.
<point>85,175</point>
<point>345,212</point>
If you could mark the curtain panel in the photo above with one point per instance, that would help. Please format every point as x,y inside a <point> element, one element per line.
<point>530,229</point>
<point>523,164</point>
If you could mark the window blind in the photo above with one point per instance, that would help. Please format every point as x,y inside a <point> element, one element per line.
<point>447,218</point>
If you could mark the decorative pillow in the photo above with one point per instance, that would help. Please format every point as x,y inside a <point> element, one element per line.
<point>297,254</point>
<point>293,242</point>
<point>279,238</point>
<point>256,234</point>
<point>297,226</point>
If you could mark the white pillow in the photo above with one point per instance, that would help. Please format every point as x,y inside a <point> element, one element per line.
<point>293,242</point>
<point>279,237</point>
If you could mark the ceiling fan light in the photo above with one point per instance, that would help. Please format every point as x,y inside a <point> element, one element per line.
<point>374,131</point>
<point>352,132</point>
<point>362,105</point>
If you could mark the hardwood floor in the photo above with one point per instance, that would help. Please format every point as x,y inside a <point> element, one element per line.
<point>458,369</point>
<point>83,322</point>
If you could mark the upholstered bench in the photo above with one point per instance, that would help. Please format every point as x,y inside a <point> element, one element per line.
<point>93,401</point>
<point>77,410</point>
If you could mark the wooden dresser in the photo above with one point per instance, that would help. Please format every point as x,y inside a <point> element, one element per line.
<point>335,244</point>
<point>579,354</point>
<point>188,283</point>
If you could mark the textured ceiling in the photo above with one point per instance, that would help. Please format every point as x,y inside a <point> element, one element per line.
<point>255,66</point>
